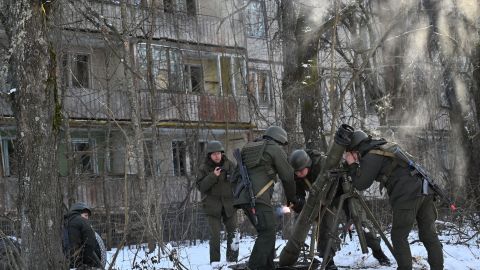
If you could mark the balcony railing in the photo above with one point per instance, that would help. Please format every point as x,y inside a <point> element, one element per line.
<point>180,26</point>
<point>173,106</point>
<point>95,104</point>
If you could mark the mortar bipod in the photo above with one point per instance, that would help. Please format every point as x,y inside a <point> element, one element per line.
<point>350,194</point>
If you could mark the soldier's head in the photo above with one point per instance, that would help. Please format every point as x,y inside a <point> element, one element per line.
<point>300,162</point>
<point>215,151</point>
<point>277,134</point>
<point>81,208</point>
<point>358,137</point>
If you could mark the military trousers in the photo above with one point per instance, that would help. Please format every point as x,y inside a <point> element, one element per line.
<point>425,214</point>
<point>263,251</point>
<point>215,224</point>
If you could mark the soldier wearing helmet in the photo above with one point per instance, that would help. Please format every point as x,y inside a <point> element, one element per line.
<point>307,165</point>
<point>83,250</point>
<point>371,160</point>
<point>264,159</point>
<point>217,199</point>
<point>276,134</point>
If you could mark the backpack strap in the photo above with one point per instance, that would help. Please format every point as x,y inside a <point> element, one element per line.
<point>270,183</point>
<point>395,162</point>
<point>382,153</point>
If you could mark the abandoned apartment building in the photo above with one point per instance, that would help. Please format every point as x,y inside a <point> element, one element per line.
<point>203,70</point>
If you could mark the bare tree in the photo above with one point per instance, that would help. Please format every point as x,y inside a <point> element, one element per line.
<point>35,98</point>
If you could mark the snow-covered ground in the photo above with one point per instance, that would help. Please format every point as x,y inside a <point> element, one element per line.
<point>196,257</point>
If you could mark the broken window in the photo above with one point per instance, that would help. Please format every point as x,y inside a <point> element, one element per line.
<point>84,156</point>
<point>232,73</point>
<point>175,70</point>
<point>263,89</point>
<point>211,79</point>
<point>255,19</point>
<point>166,70</point>
<point>179,158</point>
<point>76,70</point>
<point>9,161</point>
<point>259,87</point>
<point>193,78</point>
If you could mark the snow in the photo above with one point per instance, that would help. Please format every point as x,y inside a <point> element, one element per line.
<point>196,257</point>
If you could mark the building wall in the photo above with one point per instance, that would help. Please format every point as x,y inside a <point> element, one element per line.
<point>222,64</point>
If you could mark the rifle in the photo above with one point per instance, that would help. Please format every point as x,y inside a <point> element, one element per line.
<point>245,183</point>
<point>428,182</point>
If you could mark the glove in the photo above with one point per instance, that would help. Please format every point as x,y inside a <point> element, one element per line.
<point>343,135</point>
<point>297,207</point>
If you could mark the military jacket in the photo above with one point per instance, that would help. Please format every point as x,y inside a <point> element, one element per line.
<point>402,187</point>
<point>217,191</point>
<point>269,160</point>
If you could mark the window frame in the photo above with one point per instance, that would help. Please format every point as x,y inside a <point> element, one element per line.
<point>187,76</point>
<point>268,89</point>
<point>253,17</point>
<point>6,163</point>
<point>178,172</point>
<point>167,64</point>
<point>93,158</point>
<point>67,64</point>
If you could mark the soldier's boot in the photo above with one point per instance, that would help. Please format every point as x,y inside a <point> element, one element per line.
<point>381,258</point>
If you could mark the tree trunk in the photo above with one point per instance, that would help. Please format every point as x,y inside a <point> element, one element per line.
<point>474,162</point>
<point>134,100</point>
<point>459,133</point>
<point>37,113</point>
<point>312,113</point>
<point>154,215</point>
<point>290,67</point>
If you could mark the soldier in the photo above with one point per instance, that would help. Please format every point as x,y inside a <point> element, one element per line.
<point>368,161</point>
<point>264,160</point>
<point>307,165</point>
<point>83,250</point>
<point>217,198</point>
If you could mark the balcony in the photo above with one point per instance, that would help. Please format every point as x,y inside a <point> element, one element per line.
<point>95,104</point>
<point>167,106</point>
<point>198,29</point>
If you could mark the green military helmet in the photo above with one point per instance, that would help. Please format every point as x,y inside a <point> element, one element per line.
<point>81,207</point>
<point>214,146</point>
<point>357,137</point>
<point>299,159</point>
<point>277,133</point>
